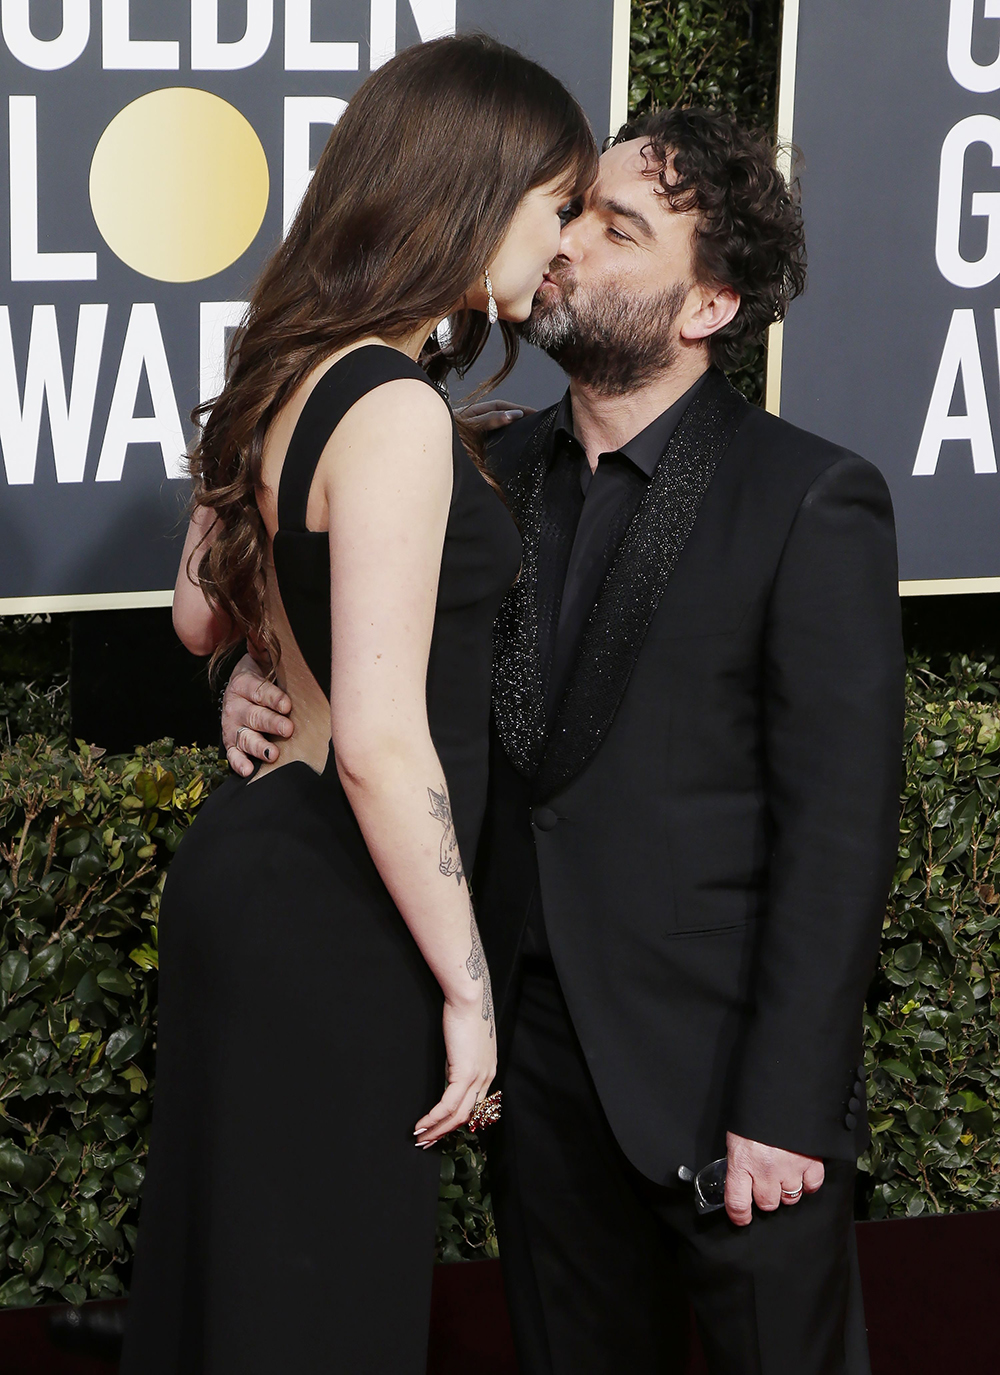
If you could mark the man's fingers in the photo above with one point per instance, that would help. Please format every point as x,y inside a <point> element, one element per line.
<point>265,722</point>
<point>257,747</point>
<point>813,1176</point>
<point>739,1196</point>
<point>767,1193</point>
<point>260,692</point>
<point>238,762</point>
<point>791,1192</point>
<point>268,694</point>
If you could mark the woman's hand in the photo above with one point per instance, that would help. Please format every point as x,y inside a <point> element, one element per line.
<point>472,1064</point>
<point>492,415</point>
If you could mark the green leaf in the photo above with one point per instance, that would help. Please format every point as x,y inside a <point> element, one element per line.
<point>920,1120</point>
<point>908,956</point>
<point>123,1045</point>
<point>898,1070</point>
<point>16,1293</point>
<point>76,843</point>
<point>128,1178</point>
<point>46,963</point>
<point>115,981</point>
<point>13,971</point>
<point>88,990</point>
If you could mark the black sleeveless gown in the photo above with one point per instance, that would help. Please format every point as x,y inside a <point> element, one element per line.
<point>288,1220</point>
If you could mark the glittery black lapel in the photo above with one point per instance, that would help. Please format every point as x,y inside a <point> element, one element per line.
<point>635,582</point>
<point>518,687</point>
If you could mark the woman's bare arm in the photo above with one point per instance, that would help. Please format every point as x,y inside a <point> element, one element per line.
<point>388,480</point>
<point>198,627</point>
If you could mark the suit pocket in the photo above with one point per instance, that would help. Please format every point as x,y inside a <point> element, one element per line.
<point>687,933</point>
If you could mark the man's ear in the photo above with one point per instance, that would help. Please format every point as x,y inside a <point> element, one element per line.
<point>718,306</point>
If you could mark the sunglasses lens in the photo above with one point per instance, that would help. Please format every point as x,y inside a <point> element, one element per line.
<point>710,1186</point>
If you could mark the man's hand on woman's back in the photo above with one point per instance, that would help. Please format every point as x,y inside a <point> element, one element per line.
<point>253,711</point>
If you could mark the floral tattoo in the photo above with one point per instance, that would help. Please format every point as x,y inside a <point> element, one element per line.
<point>479,969</point>
<point>450,864</point>
<point>450,861</point>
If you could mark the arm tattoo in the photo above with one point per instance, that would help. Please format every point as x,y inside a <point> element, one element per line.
<point>450,861</point>
<point>478,969</point>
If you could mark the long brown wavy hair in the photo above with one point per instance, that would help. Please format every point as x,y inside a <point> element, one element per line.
<point>412,197</point>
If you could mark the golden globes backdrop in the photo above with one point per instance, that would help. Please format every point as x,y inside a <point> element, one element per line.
<point>893,350</point>
<point>156,150</point>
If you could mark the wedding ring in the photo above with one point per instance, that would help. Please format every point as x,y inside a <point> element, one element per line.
<point>791,1193</point>
<point>238,734</point>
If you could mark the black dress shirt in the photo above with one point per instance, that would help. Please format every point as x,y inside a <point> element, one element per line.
<point>586,515</point>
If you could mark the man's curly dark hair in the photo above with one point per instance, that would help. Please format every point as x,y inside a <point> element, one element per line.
<point>749,235</point>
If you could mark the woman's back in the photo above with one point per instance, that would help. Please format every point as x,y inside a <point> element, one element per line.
<point>290,984</point>
<point>318,948</point>
<point>330,419</point>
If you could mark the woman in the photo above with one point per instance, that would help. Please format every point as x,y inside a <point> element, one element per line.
<point>316,930</point>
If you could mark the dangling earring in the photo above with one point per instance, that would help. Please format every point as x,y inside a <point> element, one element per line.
<point>492,314</point>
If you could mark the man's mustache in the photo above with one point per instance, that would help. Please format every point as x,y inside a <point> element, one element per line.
<point>560,276</point>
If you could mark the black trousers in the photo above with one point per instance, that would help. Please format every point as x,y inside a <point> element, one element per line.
<point>600,1264</point>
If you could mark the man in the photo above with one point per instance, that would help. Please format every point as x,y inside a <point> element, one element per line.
<point>698,711</point>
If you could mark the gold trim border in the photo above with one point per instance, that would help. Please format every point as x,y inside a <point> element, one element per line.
<point>786,119</point>
<point>621,34</point>
<point>84,601</point>
<point>937,587</point>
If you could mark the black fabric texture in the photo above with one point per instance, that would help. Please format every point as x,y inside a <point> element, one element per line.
<point>591,514</point>
<point>274,916</point>
<point>713,867</point>
<point>600,1265</point>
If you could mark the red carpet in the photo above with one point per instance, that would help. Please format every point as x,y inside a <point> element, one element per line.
<point>931,1286</point>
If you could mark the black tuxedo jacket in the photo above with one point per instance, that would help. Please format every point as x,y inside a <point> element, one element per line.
<point>712,818</point>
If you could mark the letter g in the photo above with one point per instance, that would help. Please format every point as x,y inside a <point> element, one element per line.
<point>951,189</point>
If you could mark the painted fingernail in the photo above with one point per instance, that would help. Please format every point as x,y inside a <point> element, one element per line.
<point>267,755</point>
<point>513,415</point>
<point>420,1131</point>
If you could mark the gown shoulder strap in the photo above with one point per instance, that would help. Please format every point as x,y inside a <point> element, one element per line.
<point>347,381</point>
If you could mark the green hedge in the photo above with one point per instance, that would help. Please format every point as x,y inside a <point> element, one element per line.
<point>84,841</point>
<point>932,1031</point>
<point>84,845</point>
<point>716,53</point>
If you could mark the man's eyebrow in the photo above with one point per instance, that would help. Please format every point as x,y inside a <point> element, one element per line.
<point>626,212</point>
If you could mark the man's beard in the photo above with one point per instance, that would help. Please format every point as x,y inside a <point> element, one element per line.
<point>610,340</point>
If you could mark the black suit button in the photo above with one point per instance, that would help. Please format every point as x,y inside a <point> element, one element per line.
<point>860,1071</point>
<point>854,1104</point>
<point>544,818</point>
<point>850,1121</point>
<point>859,1089</point>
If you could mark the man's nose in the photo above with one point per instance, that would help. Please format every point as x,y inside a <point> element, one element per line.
<point>569,242</point>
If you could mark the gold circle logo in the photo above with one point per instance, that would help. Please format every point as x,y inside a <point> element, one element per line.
<point>179,184</point>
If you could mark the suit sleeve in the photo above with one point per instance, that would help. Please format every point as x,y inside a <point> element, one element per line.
<point>833,701</point>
